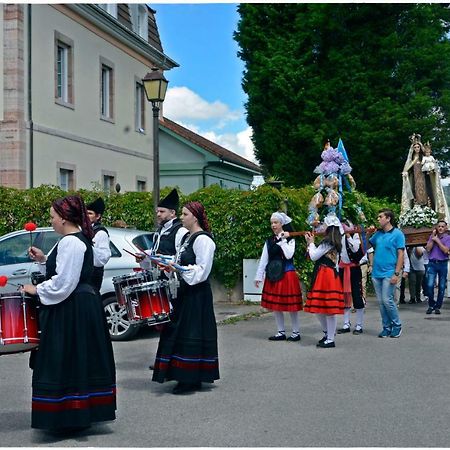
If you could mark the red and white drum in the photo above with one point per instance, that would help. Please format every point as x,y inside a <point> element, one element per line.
<point>19,331</point>
<point>148,302</point>
<point>130,279</point>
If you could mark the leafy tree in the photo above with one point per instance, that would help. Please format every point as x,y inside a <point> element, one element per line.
<point>371,74</point>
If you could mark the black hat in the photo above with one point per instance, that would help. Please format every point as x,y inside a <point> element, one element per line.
<point>171,201</point>
<point>98,206</point>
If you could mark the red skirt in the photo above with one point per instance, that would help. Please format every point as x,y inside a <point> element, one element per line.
<point>283,295</point>
<point>326,296</point>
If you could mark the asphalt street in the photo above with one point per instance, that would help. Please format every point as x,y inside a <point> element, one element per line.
<point>367,392</point>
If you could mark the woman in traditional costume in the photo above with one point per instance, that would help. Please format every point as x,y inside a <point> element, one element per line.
<point>187,350</point>
<point>281,290</point>
<point>74,381</point>
<point>326,297</point>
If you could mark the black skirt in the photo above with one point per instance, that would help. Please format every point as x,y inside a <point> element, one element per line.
<point>187,350</point>
<point>74,381</point>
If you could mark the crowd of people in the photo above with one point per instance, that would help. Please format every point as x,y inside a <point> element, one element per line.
<point>74,379</point>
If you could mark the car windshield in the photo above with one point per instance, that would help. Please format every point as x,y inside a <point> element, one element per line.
<point>143,241</point>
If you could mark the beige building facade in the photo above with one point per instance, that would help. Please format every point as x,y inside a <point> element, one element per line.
<point>73,111</point>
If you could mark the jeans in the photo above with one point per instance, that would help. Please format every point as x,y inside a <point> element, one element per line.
<point>436,269</point>
<point>384,291</point>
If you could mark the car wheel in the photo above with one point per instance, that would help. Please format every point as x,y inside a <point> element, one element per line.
<point>120,329</point>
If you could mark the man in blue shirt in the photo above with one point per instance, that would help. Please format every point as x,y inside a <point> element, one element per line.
<point>387,263</point>
<point>438,248</point>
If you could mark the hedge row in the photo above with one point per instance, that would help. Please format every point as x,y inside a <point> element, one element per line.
<point>240,220</point>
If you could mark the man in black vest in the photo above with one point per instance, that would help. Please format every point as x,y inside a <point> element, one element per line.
<point>102,251</point>
<point>167,238</point>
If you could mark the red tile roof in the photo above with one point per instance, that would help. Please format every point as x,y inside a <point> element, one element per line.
<point>208,145</point>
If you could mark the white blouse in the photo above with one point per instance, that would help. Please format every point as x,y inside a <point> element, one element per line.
<point>102,251</point>
<point>69,262</point>
<point>354,242</point>
<point>288,248</point>
<point>146,263</point>
<point>204,248</point>
<point>316,253</point>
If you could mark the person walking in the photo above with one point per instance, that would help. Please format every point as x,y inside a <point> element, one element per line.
<point>416,273</point>
<point>74,378</point>
<point>387,263</point>
<point>351,276</point>
<point>281,290</point>
<point>438,247</point>
<point>102,250</point>
<point>187,350</point>
<point>326,295</point>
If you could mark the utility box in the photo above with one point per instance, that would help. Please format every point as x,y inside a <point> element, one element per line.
<point>251,292</point>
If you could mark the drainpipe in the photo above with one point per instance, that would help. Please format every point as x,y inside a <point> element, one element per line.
<point>30,109</point>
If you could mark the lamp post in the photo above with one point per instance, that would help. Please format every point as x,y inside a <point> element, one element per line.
<point>155,86</point>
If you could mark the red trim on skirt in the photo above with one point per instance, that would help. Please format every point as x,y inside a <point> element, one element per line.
<point>283,295</point>
<point>326,296</point>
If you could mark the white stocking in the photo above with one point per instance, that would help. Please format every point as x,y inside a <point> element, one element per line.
<point>360,317</point>
<point>323,321</point>
<point>331,327</point>
<point>347,317</point>
<point>279,319</point>
<point>295,322</point>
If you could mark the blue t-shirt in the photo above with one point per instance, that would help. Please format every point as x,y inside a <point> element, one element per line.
<point>386,245</point>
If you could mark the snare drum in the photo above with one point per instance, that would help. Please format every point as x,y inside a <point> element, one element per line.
<point>148,302</point>
<point>130,279</point>
<point>18,323</point>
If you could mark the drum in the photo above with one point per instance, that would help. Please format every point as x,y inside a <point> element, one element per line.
<point>19,330</point>
<point>148,302</point>
<point>130,279</point>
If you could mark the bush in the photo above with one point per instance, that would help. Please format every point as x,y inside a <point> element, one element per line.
<point>240,220</point>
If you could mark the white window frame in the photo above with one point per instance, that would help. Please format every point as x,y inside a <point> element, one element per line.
<point>139,107</point>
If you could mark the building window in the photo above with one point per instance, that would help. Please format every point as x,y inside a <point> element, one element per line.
<point>66,179</point>
<point>110,8</point>
<point>141,186</point>
<point>63,70</point>
<point>108,183</point>
<point>139,19</point>
<point>106,92</point>
<point>139,110</point>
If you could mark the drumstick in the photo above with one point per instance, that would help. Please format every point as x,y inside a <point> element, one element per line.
<point>131,253</point>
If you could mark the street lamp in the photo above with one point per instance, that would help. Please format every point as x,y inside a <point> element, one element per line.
<point>155,86</point>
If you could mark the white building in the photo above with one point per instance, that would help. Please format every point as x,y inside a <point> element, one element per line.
<point>73,111</point>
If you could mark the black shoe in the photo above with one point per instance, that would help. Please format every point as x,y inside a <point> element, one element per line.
<point>343,330</point>
<point>326,345</point>
<point>358,331</point>
<point>429,311</point>
<point>437,311</point>
<point>185,388</point>
<point>412,301</point>
<point>151,367</point>
<point>402,302</point>
<point>322,340</point>
<point>294,337</point>
<point>278,337</point>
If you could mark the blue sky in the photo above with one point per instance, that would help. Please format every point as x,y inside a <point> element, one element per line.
<point>205,92</point>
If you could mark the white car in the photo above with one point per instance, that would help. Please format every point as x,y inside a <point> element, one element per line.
<point>18,267</point>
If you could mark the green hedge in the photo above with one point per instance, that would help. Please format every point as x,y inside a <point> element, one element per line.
<point>240,220</point>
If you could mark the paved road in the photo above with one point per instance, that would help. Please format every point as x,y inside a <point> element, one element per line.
<point>367,392</point>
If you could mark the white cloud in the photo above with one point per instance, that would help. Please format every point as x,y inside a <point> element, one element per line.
<point>193,112</point>
<point>182,103</point>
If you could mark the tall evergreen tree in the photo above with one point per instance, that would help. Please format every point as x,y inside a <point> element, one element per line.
<point>371,74</point>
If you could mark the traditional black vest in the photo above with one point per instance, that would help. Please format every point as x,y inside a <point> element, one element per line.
<point>167,239</point>
<point>97,226</point>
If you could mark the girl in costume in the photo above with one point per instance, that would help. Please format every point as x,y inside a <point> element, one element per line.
<point>281,290</point>
<point>325,297</point>
<point>74,381</point>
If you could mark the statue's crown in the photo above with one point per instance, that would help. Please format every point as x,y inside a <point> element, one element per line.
<point>415,138</point>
